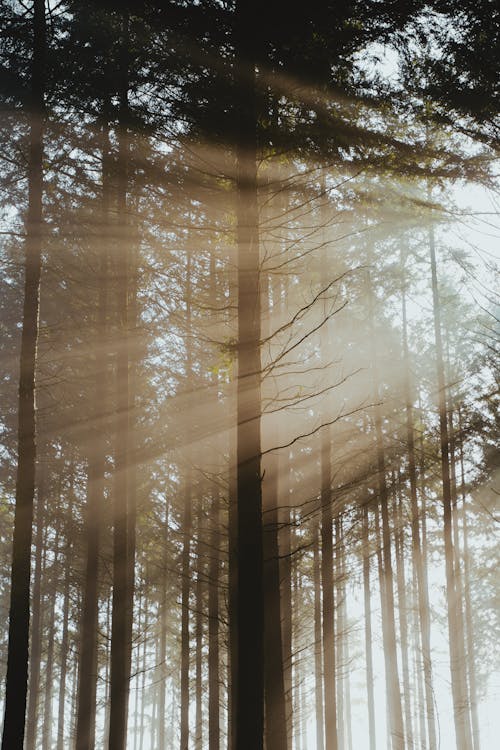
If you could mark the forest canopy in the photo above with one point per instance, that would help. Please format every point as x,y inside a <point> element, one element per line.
<point>249,426</point>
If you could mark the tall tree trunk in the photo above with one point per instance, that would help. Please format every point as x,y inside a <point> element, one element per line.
<point>368,630</point>
<point>36,626</point>
<point>213,628</point>
<point>66,608</point>
<point>275,709</point>
<point>186,573</point>
<point>471,661</point>
<point>19,613</point>
<point>387,603</point>
<point>417,557</point>
<point>121,615</point>
<point>250,614</point>
<point>461,715</point>
<point>87,682</point>
<point>64,638</point>
<point>199,632</point>
<point>49,664</point>
<point>285,547</point>
<point>339,633</point>
<point>402,608</point>
<point>186,548</point>
<point>329,666</point>
<point>162,700</point>
<point>345,651</point>
<point>318,666</point>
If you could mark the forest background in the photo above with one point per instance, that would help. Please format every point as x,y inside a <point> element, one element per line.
<point>249,432</point>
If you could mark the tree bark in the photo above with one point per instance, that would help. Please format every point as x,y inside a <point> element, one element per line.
<point>250,614</point>
<point>36,635</point>
<point>213,628</point>
<point>329,665</point>
<point>318,667</point>
<point>122,584</point>
<point>368,630</point>
<point>19,613</point>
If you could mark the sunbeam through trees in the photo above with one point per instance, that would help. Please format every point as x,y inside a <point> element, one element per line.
<point>250,322</point>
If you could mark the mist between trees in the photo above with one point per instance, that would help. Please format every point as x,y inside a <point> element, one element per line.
<point>249,431</point>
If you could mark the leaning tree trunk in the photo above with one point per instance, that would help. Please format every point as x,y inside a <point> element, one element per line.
<point>19,613</point>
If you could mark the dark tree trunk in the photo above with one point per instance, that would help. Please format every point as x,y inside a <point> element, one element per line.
<point>275,710</point>
<point>36,625</point>
<point>186,573</point>
<point>19,613</point>
<point>162,699</point>
<point>339,633</point>
<point>318,642</point>
<point>368,630</point>
<point>250,615</point>
<point>87,682</point>
<point>329,666</point>
<point>199,632</point>
<point>213,628</point>
<point>122,588</point>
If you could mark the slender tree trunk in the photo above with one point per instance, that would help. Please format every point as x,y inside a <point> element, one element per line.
<point>138,670</point>
<point>461,715</point>
<point>275,709</point>
<point>187,523</point>
<point>36,626</point>
<point>387,603</point>
<point>329,666</point>
<point>142,727</point>
<point>296,653</point>
<point>19,613</point>
<point>162,700</point>
<point>49,664</point>
<point>213,628</point>
<point>339,633</point>
<point>345,652</point>
<point>186,573</point>
<point>65,620</point>
<point>471,660</point>
<point>368,630</point>
<point>122,593</point>
<point>199,632</point>
<point>286,596</point>
<point>417,557</point>
<point>403,610</point>
<point>214,573</point>
<point>318,667</point>
<point>87,683</point>
<point>250,617</point>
